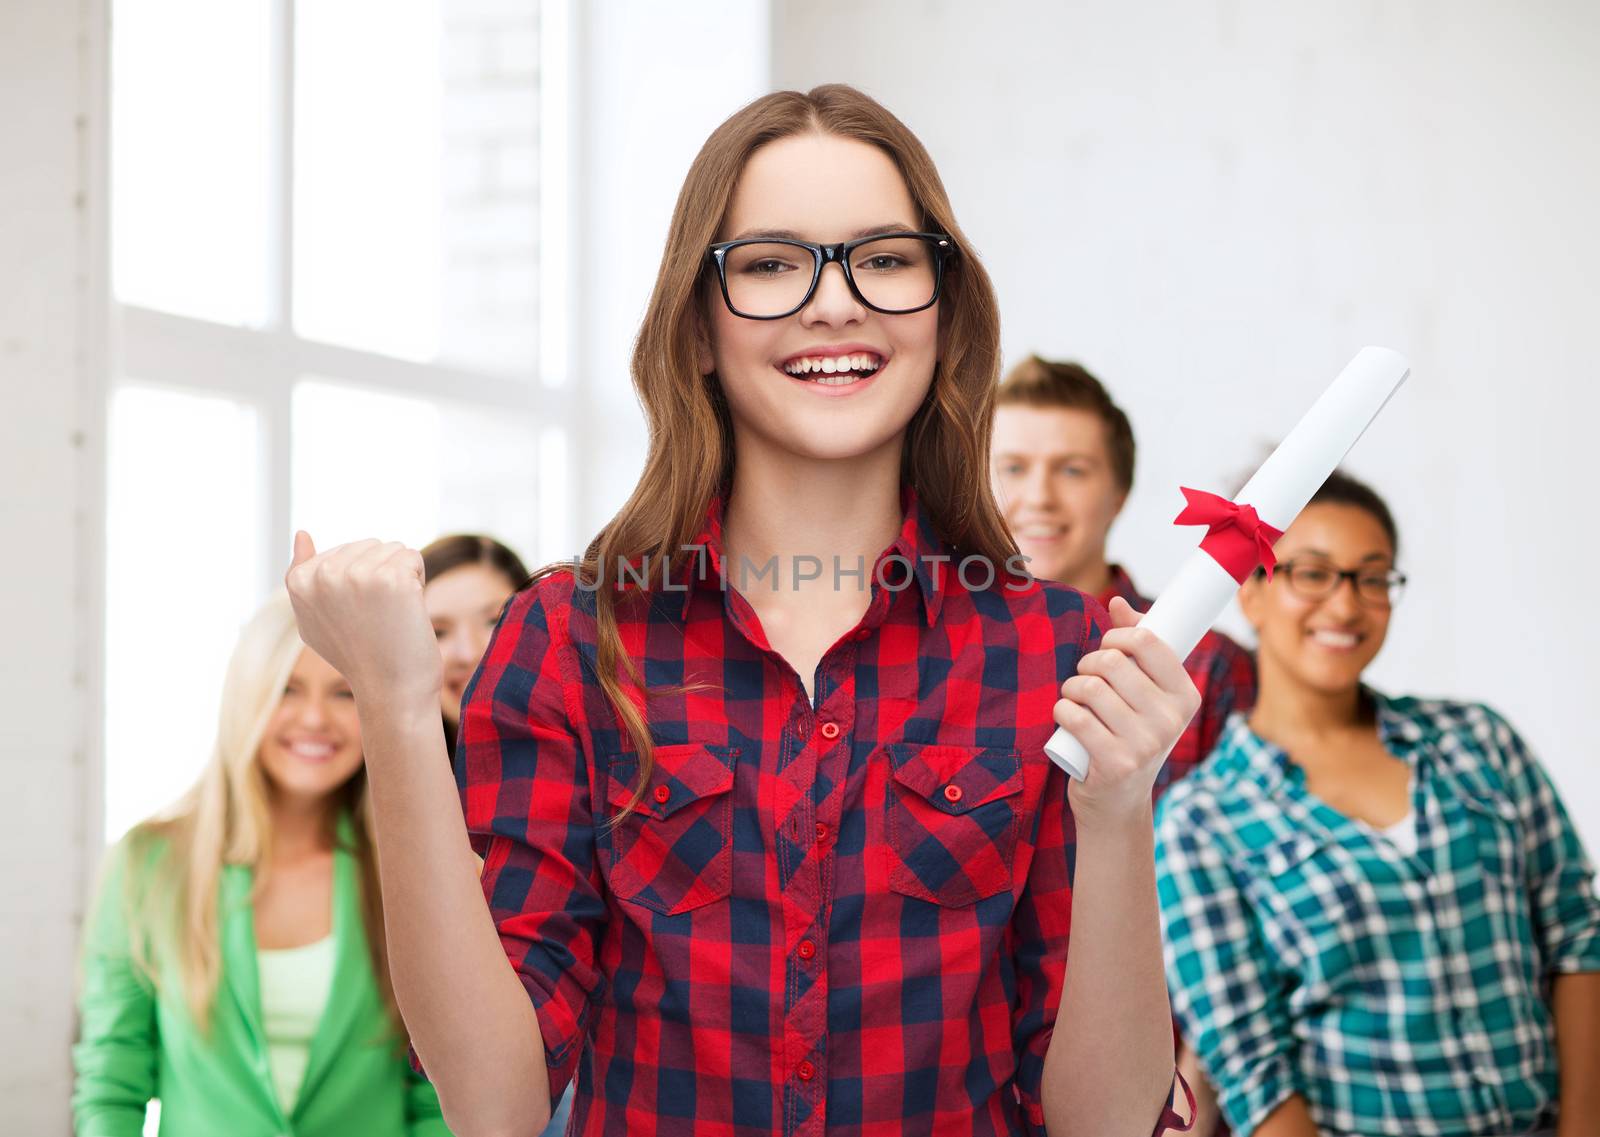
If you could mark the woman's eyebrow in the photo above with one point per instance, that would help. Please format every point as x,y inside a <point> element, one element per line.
<point>791,235</point>
<point>1329,556</point>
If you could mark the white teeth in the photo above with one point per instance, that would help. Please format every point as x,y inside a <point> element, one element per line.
<point>832,364</point>
<point>1335,639</point>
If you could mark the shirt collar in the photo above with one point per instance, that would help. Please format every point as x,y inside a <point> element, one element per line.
<point>1268,764</point>
<point>917,544</point>
<point>1122,585</point>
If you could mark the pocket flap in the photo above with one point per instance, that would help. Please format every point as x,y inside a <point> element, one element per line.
<point>957,779</point>
<point>680,775</point>
<point>1286,853</point>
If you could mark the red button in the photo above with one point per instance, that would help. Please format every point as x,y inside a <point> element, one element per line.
<point>952,793</point>
<point>662,794</point>
<point>822,832</point>
<point>862,634</point>
<point>807,949</point>
<point>806,1071</point>
<point>830,730</point>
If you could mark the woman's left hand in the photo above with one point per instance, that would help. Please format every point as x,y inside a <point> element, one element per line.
<point>1127,705</point>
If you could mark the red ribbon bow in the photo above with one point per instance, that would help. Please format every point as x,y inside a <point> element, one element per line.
<point>1237,538</point>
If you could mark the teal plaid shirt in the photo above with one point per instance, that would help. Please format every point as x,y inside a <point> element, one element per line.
<point>1398,994</point>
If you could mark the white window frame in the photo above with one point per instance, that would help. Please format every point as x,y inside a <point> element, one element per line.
<point>259,366</point>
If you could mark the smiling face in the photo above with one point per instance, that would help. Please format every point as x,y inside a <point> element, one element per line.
<point>1323,645</point>
<point>836,380</point>
<point>1053,478</point>
<point>312,745</point>
<point>463,605</point>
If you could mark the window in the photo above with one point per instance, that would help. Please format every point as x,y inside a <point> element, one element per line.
<point>327,268</point>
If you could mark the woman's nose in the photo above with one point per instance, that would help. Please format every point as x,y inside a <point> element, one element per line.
<point>459,646</point>
<point>833,302</point>
<point>313,712</point>
<point>1344,601</point>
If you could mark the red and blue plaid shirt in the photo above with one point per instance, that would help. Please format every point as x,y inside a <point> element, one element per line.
<point>1225,674</point>
<point>846,914</point>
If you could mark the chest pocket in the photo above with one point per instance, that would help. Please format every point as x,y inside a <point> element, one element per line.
<point>952,821</point>
<point>1492,841</point>
<point>674,852</point>
<point>1323,916</point>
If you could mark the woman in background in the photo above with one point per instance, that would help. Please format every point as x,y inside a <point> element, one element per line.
<point>468,579</point>
<point>234,965</point>
<point>1379,919</point>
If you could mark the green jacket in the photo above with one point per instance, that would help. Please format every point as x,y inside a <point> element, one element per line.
<point>138,1040</point>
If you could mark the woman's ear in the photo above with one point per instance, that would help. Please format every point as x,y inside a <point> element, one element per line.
<point>1251,597</point>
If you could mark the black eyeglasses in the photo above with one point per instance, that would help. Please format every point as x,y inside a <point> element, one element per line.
<point>1318,580</point>
<point>893,273</point>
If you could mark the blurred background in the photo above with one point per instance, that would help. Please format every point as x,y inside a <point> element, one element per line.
<point>374,267</point>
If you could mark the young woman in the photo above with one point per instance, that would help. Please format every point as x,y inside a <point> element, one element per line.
<point>771,844</point>
<point>1380,920</point>
<point>467,580</point>
<point>234,966</point>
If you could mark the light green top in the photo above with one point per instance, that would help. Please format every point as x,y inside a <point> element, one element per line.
<point>294,990</point>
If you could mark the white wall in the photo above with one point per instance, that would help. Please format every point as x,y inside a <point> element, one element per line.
<point>652,81</point>
<point>51,308</point>
<point>1214,205</point>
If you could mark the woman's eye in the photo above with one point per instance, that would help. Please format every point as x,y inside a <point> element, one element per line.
<point>883,262</point>
<point>767,267</point>
<point>1315,576</point>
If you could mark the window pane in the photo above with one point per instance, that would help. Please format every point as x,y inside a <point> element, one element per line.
<point>183,574</point>
<point>402,469</point>
<point>189,151</point>
<point>416,179</point>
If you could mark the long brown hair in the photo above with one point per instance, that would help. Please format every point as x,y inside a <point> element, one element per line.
<point>690,458</point>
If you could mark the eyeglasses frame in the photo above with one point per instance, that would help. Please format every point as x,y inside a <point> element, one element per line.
<point>836,253</point>
<point>1397,583</point>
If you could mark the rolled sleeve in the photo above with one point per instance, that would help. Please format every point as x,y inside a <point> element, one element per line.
<point>1560,874</point>
<point>1227,997</point>
<point>525,791</point>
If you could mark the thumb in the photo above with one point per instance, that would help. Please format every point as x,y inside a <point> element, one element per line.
<point>304,550</point>
<point>1123,614</point>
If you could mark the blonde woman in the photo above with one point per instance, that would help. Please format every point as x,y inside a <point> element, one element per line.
<point>234,965</point>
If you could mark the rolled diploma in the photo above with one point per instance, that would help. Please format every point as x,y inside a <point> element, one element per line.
<point>1278,491</point>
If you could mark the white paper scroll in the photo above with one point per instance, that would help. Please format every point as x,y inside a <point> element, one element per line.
<point>1278,491</point>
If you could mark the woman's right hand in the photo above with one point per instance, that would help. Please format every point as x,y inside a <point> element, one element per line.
<point>359,606</point>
